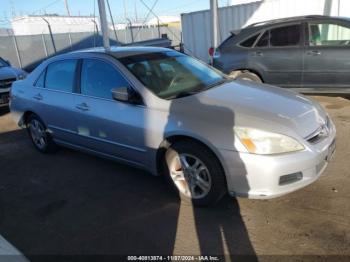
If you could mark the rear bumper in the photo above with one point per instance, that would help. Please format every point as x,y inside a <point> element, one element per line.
<point>259,177</point>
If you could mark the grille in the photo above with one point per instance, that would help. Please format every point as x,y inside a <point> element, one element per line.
<point>6,83</point>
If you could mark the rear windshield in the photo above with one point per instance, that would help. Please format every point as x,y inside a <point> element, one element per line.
<point>227,41</point>
<point>172,74</point>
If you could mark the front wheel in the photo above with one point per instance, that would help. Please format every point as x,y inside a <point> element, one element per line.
<point>196,173</point>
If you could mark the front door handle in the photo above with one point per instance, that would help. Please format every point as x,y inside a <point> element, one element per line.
<point>314,52</point>
<point>38,97</point>
<point>83,107</point>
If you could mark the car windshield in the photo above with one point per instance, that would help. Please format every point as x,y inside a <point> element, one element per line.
<point>3,63</point>
<point>171,74</point>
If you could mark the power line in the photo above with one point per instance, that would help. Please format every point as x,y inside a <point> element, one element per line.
<point>110,13</point>
<point>150,10</point>
<point>32,13</point>
<point>167,28</point>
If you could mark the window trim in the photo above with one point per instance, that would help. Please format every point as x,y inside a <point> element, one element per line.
<point>250,36</point>
<point>307,38</point>
<point>45,70</point>
<point>258,40</point>
<point>301,40</point>
<point>79,76</point>
<point>37,80</point>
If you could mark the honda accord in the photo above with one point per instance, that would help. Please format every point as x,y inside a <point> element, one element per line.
<point>173,115</point>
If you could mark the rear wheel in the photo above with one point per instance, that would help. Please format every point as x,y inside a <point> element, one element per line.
<point>39,135</point>
<point>195,172</point>
<point>245,75</point>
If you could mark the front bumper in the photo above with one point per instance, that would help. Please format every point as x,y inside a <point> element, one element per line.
<point>259,176</point>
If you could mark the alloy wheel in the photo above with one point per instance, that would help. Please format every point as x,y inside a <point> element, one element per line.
<point>38,134</point>
<point>190,175</point>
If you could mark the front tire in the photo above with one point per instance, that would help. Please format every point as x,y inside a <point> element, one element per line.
<point>245,75</point>
<point>39,136</point>
<point>195,172</point>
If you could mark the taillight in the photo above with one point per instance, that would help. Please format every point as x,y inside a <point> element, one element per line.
<point>211,51</point>
<point>214,53</point>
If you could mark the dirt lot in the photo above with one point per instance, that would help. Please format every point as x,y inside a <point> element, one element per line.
<point>73,203</point>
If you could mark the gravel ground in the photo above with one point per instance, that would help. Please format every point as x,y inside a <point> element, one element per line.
<point>76,204</point>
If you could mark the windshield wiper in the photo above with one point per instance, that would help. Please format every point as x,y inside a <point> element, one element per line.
<point>182,94</point>
<point>222,81</point>
<point>198,90</point>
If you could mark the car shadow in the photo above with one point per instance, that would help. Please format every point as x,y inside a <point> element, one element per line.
<point>72,205</point>
<point>220,230</point>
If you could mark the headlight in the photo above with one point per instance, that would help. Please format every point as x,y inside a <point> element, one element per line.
<point>266,143</point>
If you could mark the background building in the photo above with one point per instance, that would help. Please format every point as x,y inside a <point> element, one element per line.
<point>172,21</point>
<point>6,32</point>
<point>35,25</point>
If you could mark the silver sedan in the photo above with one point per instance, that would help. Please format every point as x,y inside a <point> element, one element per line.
<point>172,115</point>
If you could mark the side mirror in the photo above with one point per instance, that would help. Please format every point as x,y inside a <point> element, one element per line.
<point>126,94</point>
<point>8,62</point>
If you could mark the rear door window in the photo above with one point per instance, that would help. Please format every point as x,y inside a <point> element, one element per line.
<point>264,40</point>
<point>250,41</point>
<point>60,75</point>
<point>285,36</point>
<point>40,82</point>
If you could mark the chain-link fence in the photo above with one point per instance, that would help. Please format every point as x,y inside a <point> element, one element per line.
<point>28,51</point>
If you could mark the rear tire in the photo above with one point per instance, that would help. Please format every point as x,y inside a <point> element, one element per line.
<point>245,75</point>
<point>39,136</point>
<point>202,181</point>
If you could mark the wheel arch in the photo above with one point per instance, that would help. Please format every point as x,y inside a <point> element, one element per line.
<point>25,116</point>
<point>254,71</point>
<point>180,137</point>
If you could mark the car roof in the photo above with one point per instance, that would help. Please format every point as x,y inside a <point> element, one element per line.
<point>120,52</point>
<point>295,19</point>
<point>241,34</point>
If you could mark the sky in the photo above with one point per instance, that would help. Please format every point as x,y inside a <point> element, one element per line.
<point>134,8</point>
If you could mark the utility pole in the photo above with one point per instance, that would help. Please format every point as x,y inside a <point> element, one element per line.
<point>136,18</point>
<point>125,13</point>
<point>214,25</point>
<point>67,7</point>
<point>104,24</point>
<point>13,10</point>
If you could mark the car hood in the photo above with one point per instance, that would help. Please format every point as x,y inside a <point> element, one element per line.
<point>248,104</point>
<point>9,72</point>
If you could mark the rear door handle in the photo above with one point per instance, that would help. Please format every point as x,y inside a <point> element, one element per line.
<point>258,53</point>
<point>314,52</point>
<point>83,107</point>
<point>38,97</point>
